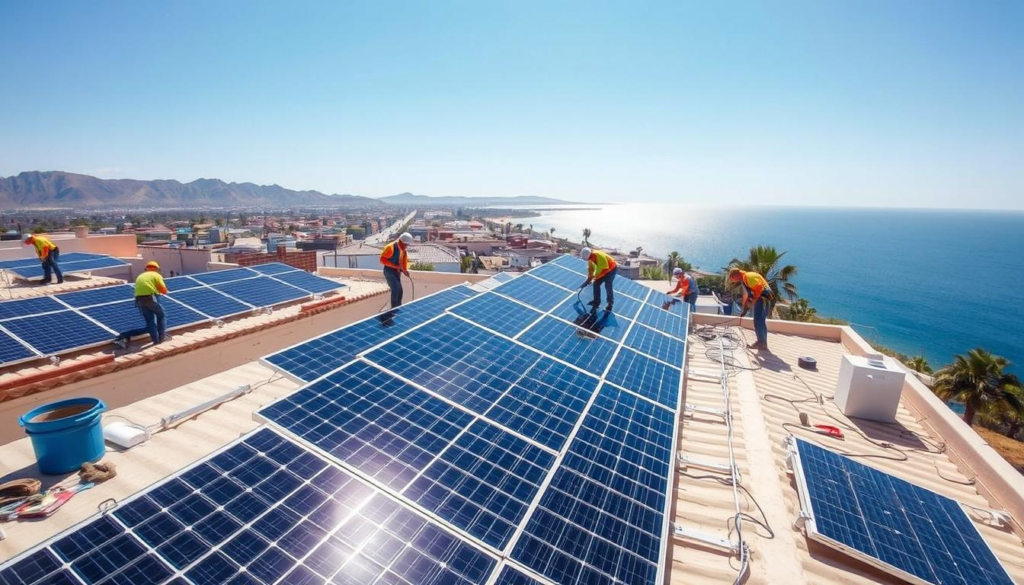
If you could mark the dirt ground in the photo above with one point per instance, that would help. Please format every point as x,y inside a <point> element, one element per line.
<point>1010,449</point>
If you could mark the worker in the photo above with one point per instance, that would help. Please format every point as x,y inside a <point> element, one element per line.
<point>757,295</point>
<point>148,287</point>
<point>601,269</point>
<point>396,263</point>
<point>49,254</point>
<point>686,286</point>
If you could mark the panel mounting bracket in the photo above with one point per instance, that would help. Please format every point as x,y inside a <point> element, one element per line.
<point>702,373</point>
<point>712,541</point>
<point>685,462</point>
<point>801,520</point>
<point>692,409</point>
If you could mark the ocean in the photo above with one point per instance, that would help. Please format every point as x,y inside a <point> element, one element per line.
<point>923,282</point>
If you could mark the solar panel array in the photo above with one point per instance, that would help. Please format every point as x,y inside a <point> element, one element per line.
<point>533,425</point>
<point>70,263</point>
<point>36,327</point>
<point>900,527</point>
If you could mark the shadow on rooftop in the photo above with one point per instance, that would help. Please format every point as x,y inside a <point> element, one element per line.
<point>770,361</point>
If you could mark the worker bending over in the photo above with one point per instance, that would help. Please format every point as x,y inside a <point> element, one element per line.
<point>686,286</point>
<point>601,269</point>
<point>48,253</point>
<point>756,294</point>
<point>148,287</point>
<point>396,263</point>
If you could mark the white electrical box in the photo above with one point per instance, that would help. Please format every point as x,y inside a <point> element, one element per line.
<point>869,387</point>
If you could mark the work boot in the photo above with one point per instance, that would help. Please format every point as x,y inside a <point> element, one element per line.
<point>120,343</point>
<point>608,307</point>
<point>594,303</point>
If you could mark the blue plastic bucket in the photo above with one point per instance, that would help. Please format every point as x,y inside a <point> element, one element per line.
<point>65,434</point>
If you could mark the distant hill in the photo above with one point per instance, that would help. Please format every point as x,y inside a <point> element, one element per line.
<point>410,199</point>
<point>60,189</point>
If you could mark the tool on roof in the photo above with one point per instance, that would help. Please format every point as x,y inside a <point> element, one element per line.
<point>827,430</point>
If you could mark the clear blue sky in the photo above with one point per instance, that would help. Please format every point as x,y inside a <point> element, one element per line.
<point>906,103</point>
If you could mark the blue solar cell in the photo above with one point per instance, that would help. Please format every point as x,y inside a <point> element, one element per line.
<point>656,344</point>
<point>483,483</point>
<point>624,306</point>
<point>124,316</point>
<point>646,377</point>
<point>98,296</point>
<point>56,332</point>
<point>573,263</point>
<point>601,518</point>
<point>512,576</point>
<point>273,268</point>
<point>221,276</point>
<point>69,266</point>
<point>557,275</point>
<point>534,292</point>
<point>569,343</point>
<point>210,302</point>
<point>181,283</point>
<point>308,282</point>
<point>628,287</point>
<point>12,351</point>
<point>261,292</point>
<point>497,314</point>
<point>347,532</point>
<point>372,421</point>
<point>545,403</point>
<point>80,256</point>
<point>34,306</point>
<point>664,321</point>
<point>673,304</point>
<point>502,277</point>
<point>906,527</point>
<point>458,361</point>
<point>5,264</point>
<point>606,323</point>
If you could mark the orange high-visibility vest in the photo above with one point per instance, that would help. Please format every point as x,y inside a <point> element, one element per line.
<point>393,256</point>
<point>754,285</point>
<point>600,264</point>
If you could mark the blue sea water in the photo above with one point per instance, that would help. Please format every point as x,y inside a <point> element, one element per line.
<point>936,283</point>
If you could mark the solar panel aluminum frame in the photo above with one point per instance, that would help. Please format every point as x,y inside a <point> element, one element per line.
<point>807,517</point>
<point>36,353</point>
<point>179,574</point>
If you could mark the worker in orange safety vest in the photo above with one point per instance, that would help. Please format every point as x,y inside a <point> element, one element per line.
<point>48,254</point>
<point>757,295</point>
<point>601,270</point>
<point>395,260</point>
<point>686,286</point>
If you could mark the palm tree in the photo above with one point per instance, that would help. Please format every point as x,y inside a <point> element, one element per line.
<point>531,229</point>
<point>552,230</point>
<point>980,382</point>
<point>919,364</point>
<point>801,310</point>
<point>673,260</point>
<point>765,260</point>
<point>519,228</point>
<point>586,236</point>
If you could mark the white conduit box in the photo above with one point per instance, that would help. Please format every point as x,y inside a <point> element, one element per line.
<point>869,387</point>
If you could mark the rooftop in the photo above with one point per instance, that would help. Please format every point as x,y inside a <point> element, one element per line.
<point>763,393</point>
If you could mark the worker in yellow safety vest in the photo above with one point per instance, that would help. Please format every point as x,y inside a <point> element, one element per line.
<point>757,295</point>
<point>148,287</point>
<point>601,269</point>
<point>48,253</point>
<point>395,260</point>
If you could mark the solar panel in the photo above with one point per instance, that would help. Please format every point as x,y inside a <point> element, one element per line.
<point>181,283</point>
<point>5,264</point>
<point>261,292</point>
<point>23,307</point>
<point>366,418</point>
<point>534,292</point>
<point>558,275</point>
<point>512,576</point>
<point>273,268</point>
<point>209,302</point>
<point>502,277</point>
<point>497,314</point>
<point>57,332</point>
<point>569,343</point>
<point>656,344</point>
<point>457,361</point>
<point>69,265</point>
<point>98,296</point>
<point>606,323</point>
<point>646,377</point>
<point>602,518</point>
<point>80,256</point>
<point>904,529</point>
<point>312,359</point>
<point>13,351</point>
<point>124,316</point>
<point>308,282</point>
<point>573,263</point>
<point>664,321</point>
<point>630,288</point>
<point>219,276</point>
<point>263,510</point>
<point>672,304</point>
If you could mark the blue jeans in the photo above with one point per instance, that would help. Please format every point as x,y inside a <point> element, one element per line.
<point>394,279</point>
<point>153,313</point>
<point>691,299</point>
<point>761,321</point>
<point>606,280</point>
<point>50,266</point>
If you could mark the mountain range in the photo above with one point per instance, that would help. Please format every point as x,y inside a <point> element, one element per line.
<point>59,189</point>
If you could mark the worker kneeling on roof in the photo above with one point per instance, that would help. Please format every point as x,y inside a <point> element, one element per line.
<point>756,294</point>
<point>48,253</point>
<point>601,269</point>
<point>396,263</point>
<point>148,287</point>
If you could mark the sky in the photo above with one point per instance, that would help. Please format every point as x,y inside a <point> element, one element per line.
<point>861,103</point>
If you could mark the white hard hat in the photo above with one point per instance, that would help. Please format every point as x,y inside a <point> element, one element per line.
<point>405,238</point>
<point>585,253</point>
<point>677,271</point>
